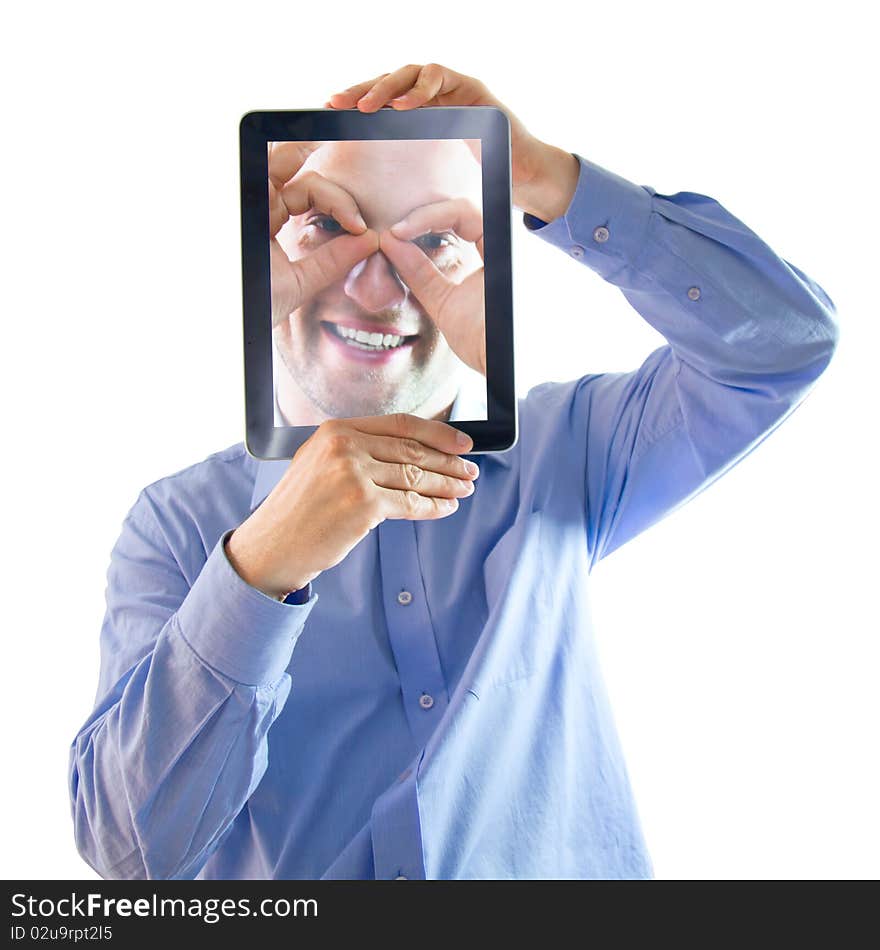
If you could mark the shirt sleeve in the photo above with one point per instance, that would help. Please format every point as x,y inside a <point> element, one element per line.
<point>192,677</point>
<point>748,334</point>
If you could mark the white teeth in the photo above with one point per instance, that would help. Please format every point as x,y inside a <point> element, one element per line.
<point>367,341</point>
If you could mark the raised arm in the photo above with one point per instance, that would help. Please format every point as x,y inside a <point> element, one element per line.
<point>748,335</point>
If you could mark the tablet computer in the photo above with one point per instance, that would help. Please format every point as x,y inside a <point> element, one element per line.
<point>376,269</point>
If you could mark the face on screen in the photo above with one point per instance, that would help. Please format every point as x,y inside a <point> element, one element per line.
<point>364,345</point>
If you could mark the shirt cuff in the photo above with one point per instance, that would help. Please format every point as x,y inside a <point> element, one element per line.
<point>235,628</point>
<point>606,223</point>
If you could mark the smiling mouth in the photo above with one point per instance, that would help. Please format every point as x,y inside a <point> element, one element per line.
<point>374,342</point>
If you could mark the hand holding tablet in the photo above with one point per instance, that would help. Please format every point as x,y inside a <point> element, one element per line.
<point>344,481</point>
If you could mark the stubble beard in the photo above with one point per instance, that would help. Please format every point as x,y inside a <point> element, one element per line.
<point>331,399</point>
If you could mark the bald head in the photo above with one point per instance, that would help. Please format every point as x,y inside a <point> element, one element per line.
<point>388,179</point>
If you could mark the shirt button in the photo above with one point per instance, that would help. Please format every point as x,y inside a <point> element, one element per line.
<point>401,877</point>
<point>576,251</point>
<point>426,701</point>
<point>600,235</point>
<point>694,293</point>
<point>404,597</point>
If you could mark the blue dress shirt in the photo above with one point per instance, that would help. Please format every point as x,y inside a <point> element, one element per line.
<point>435,709</point>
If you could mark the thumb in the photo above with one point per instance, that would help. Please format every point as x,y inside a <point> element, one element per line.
<point>418,272</point>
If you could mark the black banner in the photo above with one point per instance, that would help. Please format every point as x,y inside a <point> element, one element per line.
<point>129,914</point>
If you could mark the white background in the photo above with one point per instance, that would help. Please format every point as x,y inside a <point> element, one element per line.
<point>739,637</point>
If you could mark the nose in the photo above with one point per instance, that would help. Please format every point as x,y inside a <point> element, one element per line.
<point>374,284</point>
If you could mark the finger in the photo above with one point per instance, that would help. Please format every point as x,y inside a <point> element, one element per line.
<point>284,284</point>
<point>418,272</point>
<point>406,476</point>
<point>384,448</point>
<point>412,506</point>
<point>286,159</point>
<point>278,213</point>
<point>454,214</point>
<point>388,87</point>
<point>404,425</point>
<point>348,97</point>
<point>432,81</point>
<point>311,190</point>
<point>443,86</point>
<point>332,261</point>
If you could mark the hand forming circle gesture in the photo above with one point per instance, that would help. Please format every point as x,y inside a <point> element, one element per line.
<point>458,309</point>
<point>292,192</point>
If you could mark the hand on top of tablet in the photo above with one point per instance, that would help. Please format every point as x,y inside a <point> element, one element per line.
<point>543,177</point>
<point>290,193</point>
<point>457,307</point>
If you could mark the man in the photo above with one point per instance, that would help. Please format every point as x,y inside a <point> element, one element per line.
<point>364,345</point>
<point>309,669</point>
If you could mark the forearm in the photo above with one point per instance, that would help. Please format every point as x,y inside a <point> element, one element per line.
<point>158,777</point>
<point>192,679</point>
<point>728,305</point>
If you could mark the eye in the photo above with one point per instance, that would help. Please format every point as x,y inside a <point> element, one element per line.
<point>318,229</point>
<point>431,243</point>
<point>327,224</point>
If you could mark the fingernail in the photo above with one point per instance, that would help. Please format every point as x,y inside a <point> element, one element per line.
<point>464,439</point>
<point>450,502</point>
<point>360,221</point>
<point>400,224</point>
<point>471,468</point>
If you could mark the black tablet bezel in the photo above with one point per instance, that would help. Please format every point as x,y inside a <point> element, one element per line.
<point>491,126</point>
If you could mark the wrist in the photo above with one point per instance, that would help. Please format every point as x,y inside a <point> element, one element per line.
<point>548,193</point>
<point>239,557</point>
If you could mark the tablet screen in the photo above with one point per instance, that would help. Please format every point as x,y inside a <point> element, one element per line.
<point>365,344</point>
<point>376,271</point>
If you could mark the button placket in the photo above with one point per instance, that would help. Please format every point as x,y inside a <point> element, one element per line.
<point>410,630</point>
